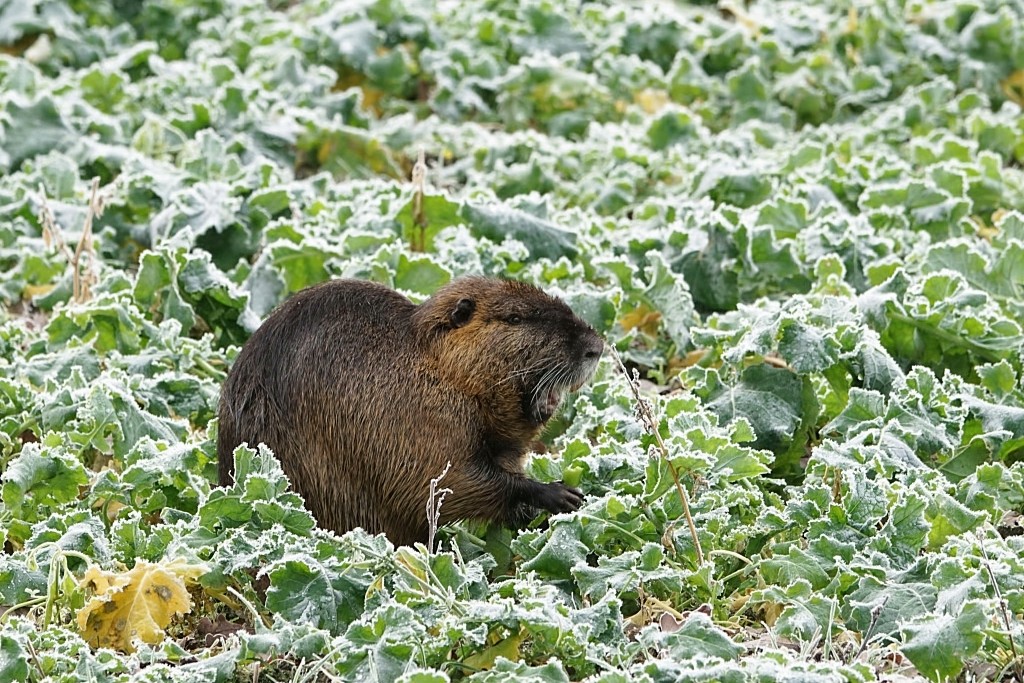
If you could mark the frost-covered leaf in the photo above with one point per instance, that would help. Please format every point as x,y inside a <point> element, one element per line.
<point>541,236</point>
<point>303,589</point>
<point>13,659</point>
<point>939,644</point>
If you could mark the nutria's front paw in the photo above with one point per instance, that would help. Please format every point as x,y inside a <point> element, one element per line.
<point>558,497</point>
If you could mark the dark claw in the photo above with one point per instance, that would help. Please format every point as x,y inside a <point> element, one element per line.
<point>558,497</point>
<point>537,496</point>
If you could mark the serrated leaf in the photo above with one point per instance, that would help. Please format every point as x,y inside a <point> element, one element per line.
<point>938,645</point>
<point>31,128</point>
<point>554,554</point>
<point>783,570</point>
<point>777,403</point>
<point>13,659</point>
<point>698,636</point>
<point>805,611</point>
<point>542,237</point>
<point>305,590</point>
<point>136,604</point>
<point>44,476</point>
<point>888,603</point>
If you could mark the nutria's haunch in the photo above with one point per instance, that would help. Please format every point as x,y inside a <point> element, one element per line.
<point>365,396</point>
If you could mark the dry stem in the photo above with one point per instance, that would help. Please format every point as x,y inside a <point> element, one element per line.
<point>82,283</point>
<point>645,413</point>
<point>53,236</point>
<point>1002,608</point>
<point>419,218</point>
<point>434,502</point>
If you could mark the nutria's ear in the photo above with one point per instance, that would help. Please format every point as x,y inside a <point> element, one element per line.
<point>462,312</point>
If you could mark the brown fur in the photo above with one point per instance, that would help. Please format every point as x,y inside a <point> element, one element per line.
<point>364,396</point>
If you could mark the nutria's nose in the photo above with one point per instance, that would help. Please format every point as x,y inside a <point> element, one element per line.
<point>593,348</point>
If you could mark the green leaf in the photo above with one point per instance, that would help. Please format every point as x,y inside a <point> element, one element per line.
<point>949,518</point>
<point>698,636</point>
<point>888,603</point>
<point>712,282</point>
<point>31,128</point>
<point>670,128</point>
<point>807,611</point>
<point>777,403</point>
<point>783,570</point>
<point>18,583</point>
<point>506,671</point>
<point>999,378</point>
<point>13,659</point>
<point>669,294</point>
<point>422,275</point>
<point>348,152</point>
<point>553,555</point>
<point>726,182</point>
<point>305,590</point>
<point>497,222</point>
<point>939,645</point>
<point>43,475</point>
<point>156,287</point>
<point>436,212</point>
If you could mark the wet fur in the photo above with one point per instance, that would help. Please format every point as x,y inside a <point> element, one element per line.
<point>364,397</point>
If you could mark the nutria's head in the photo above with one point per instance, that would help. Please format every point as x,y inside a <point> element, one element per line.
<point>508,342</point>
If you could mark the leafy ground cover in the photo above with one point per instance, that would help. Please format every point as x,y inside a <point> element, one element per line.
<point>801,225</point>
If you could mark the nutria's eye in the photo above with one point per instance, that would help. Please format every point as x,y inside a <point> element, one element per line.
<point>514,319</point>
<point>463,312</point>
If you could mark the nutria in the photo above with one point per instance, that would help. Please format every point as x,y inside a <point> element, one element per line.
<point>364,397</point>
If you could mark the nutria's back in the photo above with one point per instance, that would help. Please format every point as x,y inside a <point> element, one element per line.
<point>365,397</point>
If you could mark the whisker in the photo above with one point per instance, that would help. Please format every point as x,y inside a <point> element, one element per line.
<point>519,373</point>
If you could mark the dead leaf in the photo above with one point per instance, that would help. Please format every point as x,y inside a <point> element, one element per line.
<point>211,631</point>
<point>136,604</point>
<point>651,100</point>
<point>1011,524</point>
<point>770,612</point>
<point>642,318</point>
<point>506,647</point>
<point>1013,87</point>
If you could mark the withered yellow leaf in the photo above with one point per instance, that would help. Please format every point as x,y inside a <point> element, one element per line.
<point>38,290</point>
<point>506,647</point>
<point>651,100</point>
<point>136,604</point>
<point>642,318</point>
<point>1013,87</point>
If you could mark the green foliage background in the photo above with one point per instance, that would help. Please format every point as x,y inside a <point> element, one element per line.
<point>804,219</point>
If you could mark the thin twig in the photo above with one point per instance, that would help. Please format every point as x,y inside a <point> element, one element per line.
<point>35,658</point>
<point>434,501</point>
<point>419,217</point>
<point>876,612</point>
<point>257,617</point>
<point>1002,608</point>
<point>645,413</point>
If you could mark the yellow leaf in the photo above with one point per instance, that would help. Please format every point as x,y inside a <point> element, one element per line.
<point>852,20</point>
<point>38,290</point>
<point>371,96</point>
<point>651,100</point>
<point>770,612</point>
<point>642,318</point>
<point>690,359</point>
<point>135,604</point>
<point>1013,87</point>
<point>506,647</point>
